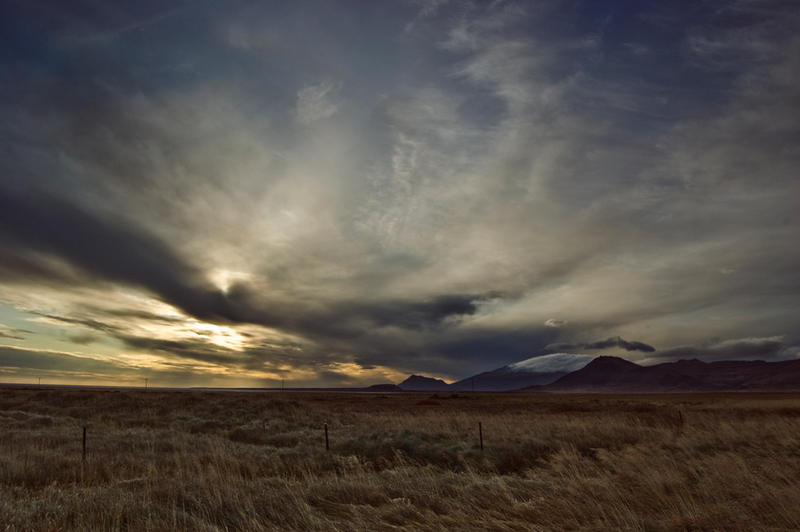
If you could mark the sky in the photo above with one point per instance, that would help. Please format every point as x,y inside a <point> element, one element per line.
<point>316,193</point>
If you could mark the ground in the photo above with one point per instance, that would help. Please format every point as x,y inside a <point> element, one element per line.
<point>194,460</point>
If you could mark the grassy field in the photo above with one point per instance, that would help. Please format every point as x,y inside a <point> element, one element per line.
<point>257,461</point>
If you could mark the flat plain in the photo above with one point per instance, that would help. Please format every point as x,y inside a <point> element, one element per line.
<point>206,460</point>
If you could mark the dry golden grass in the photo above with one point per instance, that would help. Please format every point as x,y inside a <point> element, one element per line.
<point>257,461</point>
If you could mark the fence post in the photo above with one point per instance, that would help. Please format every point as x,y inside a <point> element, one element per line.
<point>480,433</point>
<point>83,461</point>
<point>327,444</point>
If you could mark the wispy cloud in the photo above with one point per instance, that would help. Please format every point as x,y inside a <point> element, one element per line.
<point>317,102</point>
<point>445,187</point>
<point>13,333</point>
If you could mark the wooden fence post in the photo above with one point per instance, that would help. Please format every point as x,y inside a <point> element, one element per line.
<point>327,444</point>
<point>480,433</point>
<point>83,461</point>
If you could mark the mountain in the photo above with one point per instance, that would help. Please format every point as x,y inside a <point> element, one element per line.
<point>602,371</point>
<point>419,383</point>
<point>614,374</point>
<point>572,372</point>
<point>534,371</point>
<point>504,379</point>
<point>382,388</point>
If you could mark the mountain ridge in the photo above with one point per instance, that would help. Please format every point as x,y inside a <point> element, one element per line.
<point>615,374</point>
<point>538,370</point>
<point>420,383</point>
<point>549,373</point>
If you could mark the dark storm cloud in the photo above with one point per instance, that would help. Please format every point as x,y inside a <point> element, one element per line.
<point>113,251</point>
<point>26,266</point>
<point>608,343</point>
<point>349,320</point>
<point>376,332</point>
<point>745,348</point>
<point>619,342</point>
<point>411,314</point>
<point>337,333</point>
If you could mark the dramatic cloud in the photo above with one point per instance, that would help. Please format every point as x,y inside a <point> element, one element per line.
<point>744,349</point>
<point>608,343</point>
<point>111,251</point>
<point>334,194</point>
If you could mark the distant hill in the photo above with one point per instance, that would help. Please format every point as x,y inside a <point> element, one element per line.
<point>572,372</point>
<point>382,388</point>
<point>504,379</point>
<point>614,374</point>
<point>419,383</point>
<point>533,371</point>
